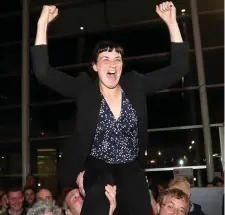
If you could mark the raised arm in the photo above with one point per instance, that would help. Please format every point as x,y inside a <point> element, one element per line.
<point>52,78</point>
<point>170,75</point>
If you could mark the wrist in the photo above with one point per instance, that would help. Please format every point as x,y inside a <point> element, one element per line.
<point>173,25</point>
<point>42,23</point>
<point>175,34</point>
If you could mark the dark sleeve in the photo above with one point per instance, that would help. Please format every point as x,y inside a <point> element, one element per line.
<point>52,78</point>
<point>71,163</point>
<point>170,75</point>
<point>66,169</point>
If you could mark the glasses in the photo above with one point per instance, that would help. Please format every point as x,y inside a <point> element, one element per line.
<point>171,208</point>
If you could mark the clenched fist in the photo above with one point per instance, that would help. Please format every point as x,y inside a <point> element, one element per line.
<point>167,12</point>
<point>48,14</point>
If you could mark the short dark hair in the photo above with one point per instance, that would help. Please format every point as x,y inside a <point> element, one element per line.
<point>28,188</point>
<point>14,189</point>
<point>104,46</point>
<point>44,188</point>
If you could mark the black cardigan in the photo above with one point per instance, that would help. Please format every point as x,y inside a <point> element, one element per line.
<point>87,95</point>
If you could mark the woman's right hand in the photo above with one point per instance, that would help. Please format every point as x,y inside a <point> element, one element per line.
<point>48,14</point>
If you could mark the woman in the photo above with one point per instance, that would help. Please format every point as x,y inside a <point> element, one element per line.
<point>110,135</point>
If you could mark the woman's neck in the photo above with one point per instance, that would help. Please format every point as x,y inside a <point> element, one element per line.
<point>107,92</point>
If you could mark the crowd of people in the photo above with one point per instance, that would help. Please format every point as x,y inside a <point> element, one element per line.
<point>37,201</point>
<point>31,200</point>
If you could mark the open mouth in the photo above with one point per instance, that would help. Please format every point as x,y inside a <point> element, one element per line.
<point>111,75</point>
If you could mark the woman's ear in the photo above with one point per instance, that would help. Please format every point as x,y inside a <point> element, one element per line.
<point>94,67</point>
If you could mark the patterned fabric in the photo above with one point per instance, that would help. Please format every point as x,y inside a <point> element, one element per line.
<point>116,141</point>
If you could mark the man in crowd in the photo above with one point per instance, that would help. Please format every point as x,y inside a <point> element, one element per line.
<point>29,196</point>
<point>45,195</point>
<point>15,200</point>
<point>183,184</point>
<point>173,202</point>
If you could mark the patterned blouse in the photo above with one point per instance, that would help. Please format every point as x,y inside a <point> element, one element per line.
<point>116,141</point>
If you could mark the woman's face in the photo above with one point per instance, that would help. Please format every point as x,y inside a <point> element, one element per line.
<point>5,202</point>
<point>109,68</point>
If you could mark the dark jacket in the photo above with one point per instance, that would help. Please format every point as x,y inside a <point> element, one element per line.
<point>196,210</point>
<point>86,92</point>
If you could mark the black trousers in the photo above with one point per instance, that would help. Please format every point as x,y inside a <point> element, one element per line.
<point>132,189</point>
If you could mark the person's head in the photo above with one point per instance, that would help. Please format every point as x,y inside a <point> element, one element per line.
<point>217,182</point>
<point>4,201</point>
<point>107,61</point>
<point>31,181</point>
<point>45,195</point>
<point>29,195</point>
<point>173,202</point>
<point>209,185</point>
<point>181,183</point>
<point>15,198</point>
<point>44,208</point>
<point>74,202</point>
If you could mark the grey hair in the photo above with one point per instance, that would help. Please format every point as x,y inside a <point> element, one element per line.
<point>40,208</point>
<point>65,205</point>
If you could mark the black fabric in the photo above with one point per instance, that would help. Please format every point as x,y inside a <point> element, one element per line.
<point>95,201</point>
<point>88,100</point>
<point>132,189</point>
<point>197,210</point>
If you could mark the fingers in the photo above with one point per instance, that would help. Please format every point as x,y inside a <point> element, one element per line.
<point>79,181</point>
<point>112,199</point>
<point>50,8</point>
<point>56,12</point>
<point>157,9</point>
<point>80,177</point>
<point>110,189</point>
<point>164,7</point>
<point>110,192</point>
